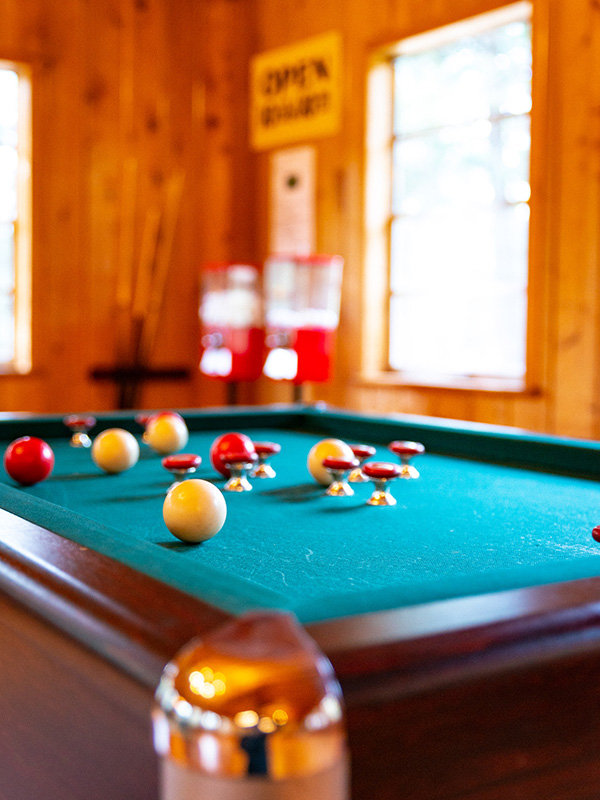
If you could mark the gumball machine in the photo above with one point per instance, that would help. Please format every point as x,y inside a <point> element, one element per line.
<point>231,318</point>
<point>302,305</point>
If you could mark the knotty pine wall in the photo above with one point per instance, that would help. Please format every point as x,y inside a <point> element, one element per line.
<point>131,100</point>
<point>566,337</point>
<point>159,88</point>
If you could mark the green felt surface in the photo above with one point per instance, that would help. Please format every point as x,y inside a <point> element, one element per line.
<point>465,527</point>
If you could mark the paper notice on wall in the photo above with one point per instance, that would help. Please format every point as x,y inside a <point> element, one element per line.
<point>292,201</point>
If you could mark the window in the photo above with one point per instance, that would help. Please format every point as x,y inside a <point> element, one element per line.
<point>15,219</point>
<point>449,119</point>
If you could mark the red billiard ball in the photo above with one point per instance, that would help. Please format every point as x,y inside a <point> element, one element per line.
<point>229,443</point>
<point>29,460</point>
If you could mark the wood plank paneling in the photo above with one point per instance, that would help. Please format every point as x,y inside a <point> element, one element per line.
<point>130,92</point>
<point>116,115</point>
<point>574,131</point>
<point>566,330</point>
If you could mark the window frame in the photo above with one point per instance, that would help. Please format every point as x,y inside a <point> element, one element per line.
<point>22,358</point>
<point>377,215</point>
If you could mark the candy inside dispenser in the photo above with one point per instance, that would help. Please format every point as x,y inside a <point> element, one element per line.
<point>232,338</point>
<point>302,302</point>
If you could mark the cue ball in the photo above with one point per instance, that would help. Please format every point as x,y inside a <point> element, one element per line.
<point>322,449</point>
<point>29,460</point>
<point>166,433</point>
<point>115,450</point>
<point>194,510</point>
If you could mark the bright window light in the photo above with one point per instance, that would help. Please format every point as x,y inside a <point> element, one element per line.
<point>15,219</point>
<point>457,226</point>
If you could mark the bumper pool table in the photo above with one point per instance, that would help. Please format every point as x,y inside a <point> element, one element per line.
<point>463,623</point>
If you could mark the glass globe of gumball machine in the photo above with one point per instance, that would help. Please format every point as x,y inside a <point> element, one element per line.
<point>302,305</point>
<point>320,282</point>
<point>281,318</point>
<point>252,711</point>
<point>214,360</point>
<point>232,328</point>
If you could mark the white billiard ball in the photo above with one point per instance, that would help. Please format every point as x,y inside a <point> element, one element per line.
<point>166,434</point>
<point>115,450</point>
<point>322,449</point>
<point>194,510</point>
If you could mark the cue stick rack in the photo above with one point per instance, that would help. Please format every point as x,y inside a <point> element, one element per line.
<point>140,291</point>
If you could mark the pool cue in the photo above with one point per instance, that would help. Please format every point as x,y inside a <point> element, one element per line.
<point>297,392</point>
<point>126,256</point>
<point>128,199</point>
<point>232,393</point>
<point>141,297</point>
<point>161,263</point>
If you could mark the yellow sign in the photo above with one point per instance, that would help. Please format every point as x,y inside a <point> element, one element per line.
<point>295,92</point>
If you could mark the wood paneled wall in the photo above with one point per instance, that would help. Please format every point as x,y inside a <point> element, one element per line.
<point>133,100</point>
<point>566,299</point>
<point>157,88</point>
